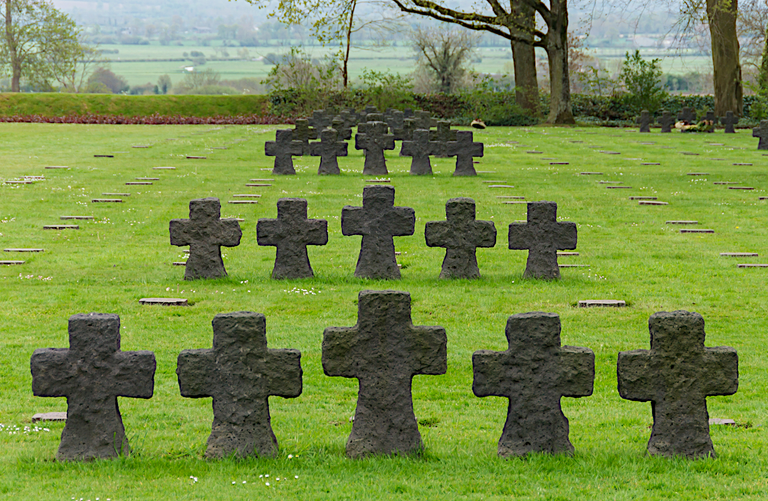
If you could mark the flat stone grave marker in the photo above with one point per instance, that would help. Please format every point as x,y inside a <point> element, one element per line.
<point>742,164</point>
<point>11,263</point>
<point>619,187</point>
<point>242,202</point>
<point>609,182</point>
<point>179,263</point>
<point>534,373</point>
<point>494,181</point>
<point>500,186</point>
<point>515,202</point>
<point>378,181</point>
<point>650,163</point>
<point>205,233</point>
<point>78,218</point>
<point>91,374</point>
<point>464,149</point>
<point>240,373</point>
<point>511,197</point>
<point>329,148</point>
<point>378,221</point>
<point>147,179</point>
<point>717,159</point>
<point>373,140</point>
<point>104,156</point>
<point>647,143</point>
<point>690,153</point>
<point>49,416</point>
<point>23,250</point>
<point>258,185</point>
<point>34,178</point>
<point>460,234</point>
<point>107,201</point>
<point>681,222</point>
<point>163,168</point>
<point>729,121</point>
<point>284,148</point>
<point>559,163</point>
<point>739,254</point>
<point>247,195</point>
<point>533,152</point>
<point>57,167</point>
<point>140,146</point>
<point>725,182</point>
<point>748,188</point>
<point>559,253</point>
<point>761,132</point>
<point>261,180</point>
<point>677,375</point>
<point>164,301</point>
<point>420,148</point>
<point>643,198</point>
<point>384,350</point>
<point>196,157</point>
<point>763,198</point>
<point>609,152</point>
<point>139,183</point>
<point>291,232</point>
<point>697,174</point>
<point>61,227</point>
<point>644,121</point>
<point>753,266</point>
<point>116,194</point>
<point>697,231</point>
<point>573,265</point>
<point>687,115</point>
<point>19,182</point>
<point>718,421</point>
<point>651,202</point>
<point>590,173</point>
<point>602,303</point>
<point>542,235</point>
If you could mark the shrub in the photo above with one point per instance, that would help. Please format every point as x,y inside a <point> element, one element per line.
<point>642,82</point>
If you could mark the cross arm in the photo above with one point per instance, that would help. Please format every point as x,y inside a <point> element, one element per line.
<point>577,371</point>
<point>283,373</point>
<point>402,221</point>
<point>135,376</point>
<point>230,232</point>
<point>489,375</point>
<point>338,348</point>
<point>317,232</point>
<point>486,233</point>
<point>342,149</point>
<point>567,235</point>
<point>635,377</point>
<point>352,220</point>
<point>361,141</point>
<point>267,231</point>
<point>722,370</point>
<point>195,370</point>
<point>437,233</point>
<point>316,149</point>
<point>519,236</point>
<point>52,373</point>
<point>179,230</point>
<point>430,350</point>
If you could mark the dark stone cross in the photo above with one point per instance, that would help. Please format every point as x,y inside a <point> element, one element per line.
<point>283,148</point>
<point>92,373</point>
<point>291,232</point>
<point>543,236</point>
<point>464,149</point>
<point>762,132</point>
<point>687,115</point>
<point>240,373</point>
<point>320,120</point>
<point>710,116</point>
<point>729,120</point>
<point>303,132</point>
<point>395,120</point>
<point>419,149</point>
<point>677,375</point>
<point>408,113</point>
<point>534,373</point>
<point>205,232</point>
<point>644,121</point>
<point>349,116</point>
<point>374,139</point>
<point>443,135</point>
<point>666,121</point>
<point>460,234</point>
<point>328,149</point>
<point>344,132</point>
<point>405,133</point>
<point>368,110</point>
<point>424,120</point>
<point>384,350</point>
<point>378,221</point>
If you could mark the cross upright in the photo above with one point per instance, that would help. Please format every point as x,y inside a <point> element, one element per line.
<point>443,135</point>
<point>374,139</point>
<point>666,121</point>
<point>419,149</point>
<point>291,232</point>
<point>677,375</point>
<point>92,373</point>
<point>543,236</point>
<point>729,120</point>
<point>687,115</point>
<point>283,148</point>
<point>344,132</point>
<point>384,350</point>
<point>320,120</point>
<point>710,117</point>
<point>378,221</point>
<point>424,120</point>
<point>349,116</point>
<point>644,121</point>
<point>460,234</point>
<point>303,132</point>
<point>328,149</point>
<point>534,373</point>
<point>761,131</point>
<point>395,120</point>
<point>464,149</point>
<point>363,115</point>
<point>405,133</point>
<point>205,232</point>
<point>240,373</point>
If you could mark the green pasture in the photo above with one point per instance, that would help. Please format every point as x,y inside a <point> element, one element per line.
<point>124,255</point>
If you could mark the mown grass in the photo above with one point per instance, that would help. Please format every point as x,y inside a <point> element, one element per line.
<point>633,255</point>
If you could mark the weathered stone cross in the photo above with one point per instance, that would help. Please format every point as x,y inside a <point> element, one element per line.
<point>303,132</point>
<point>374,141</point>
<point>543,236</point>
<point>687,114</point>
<point>419,149</point>
<point>328,149</point>
<point>405,133</point>
<point>378,220</point>
<point>461,234</point>
<point>384,350</point>
<point>677,375</point>
<point>729,121</point>
<point>320,120</point>
<point>710,116</point>
<point>666,121</point>
<point>762,132</point>
<point>283,148</point>
<point>291,232</point>
<point>424,120</point>
<point>644,121</point>
<point>395,120</point>
<point>464,149</point>
<point>240,373</point>
<point>92,373</point>
<point>443,135</point>
<point>205,232</point>
<point>344,131</point>
<point>534,373</point>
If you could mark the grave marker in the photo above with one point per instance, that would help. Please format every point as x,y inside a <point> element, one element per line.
<point>601,303</point>
<point>374,141</point>
<point>11,263</point>
<point>77,218</point>
<point>57,167</point>
<point>61,227</point>
<point>739,254</point>
<point>729,121</point>
<point>542,235</point>
<point>320,120</point>
<point>644,121</point>
<point>164,301</point>
<point>761,132</point>
<point>687,115</point>
<point>328,149</point>
<point>405,133</point>
<point>464,149</point>
<point>649,202</point>
<point>710,116</point>
<point>753,266</point>
<point>23,250</point>
<point>443,135</point>
<point>697,231</point>
<point>302,132</point>
<point>424,120</point>
<point>49,416</point>
<point>419,149</point>
<point>344,132</point>
<point>642,198</point>
<point>681,222</point>
<point>283,148</point>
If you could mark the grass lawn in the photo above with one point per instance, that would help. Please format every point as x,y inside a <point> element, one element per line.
<point>124,255</point>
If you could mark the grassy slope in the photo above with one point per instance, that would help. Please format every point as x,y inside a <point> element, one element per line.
<point>125,255</point>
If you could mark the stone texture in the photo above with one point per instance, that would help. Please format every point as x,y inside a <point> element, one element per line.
<point>443,135</point>
<point>728,121</point>
<point>378,221</point>
<point>291,232</point>
<point>303,132</point>
<point>677,375</point>
<point>395,120</point>
<point>644,121</point>
<point>687,115</point>
<point>240,373</point>
<point>166,301</point>
<point>91,374</point>
<point>464,149</point>
<point>542,236</point>
<point>205,232</point>
<point>374,139</point>
<point>320,119</point>
<point>49,416</point>
<point>424,120</point>
<point>283,148</point>
<point>419,149</point>
<point>384,350</point>
<point>343,130</point>
<point>762,133</point>
<point>602,303</point>
<point>405,133</point>
<point>328,149</point>
<point>534,373</point>
<point>460,234</point>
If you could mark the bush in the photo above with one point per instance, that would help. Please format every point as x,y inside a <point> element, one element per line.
<point>642,83</point>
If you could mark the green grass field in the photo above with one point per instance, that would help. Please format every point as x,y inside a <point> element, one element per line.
<point>124,255</point>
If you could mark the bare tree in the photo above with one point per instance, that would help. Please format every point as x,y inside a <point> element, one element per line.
<point>444,53</point>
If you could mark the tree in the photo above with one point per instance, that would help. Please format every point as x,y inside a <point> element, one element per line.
<point>72,65</point>
<point>164,84</point>
<point>642,82</point>
<point>444,52</point>
<point>35,34</point>
<point>107,78</point>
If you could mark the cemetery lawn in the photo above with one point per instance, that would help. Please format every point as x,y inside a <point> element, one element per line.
<point>124,255</point>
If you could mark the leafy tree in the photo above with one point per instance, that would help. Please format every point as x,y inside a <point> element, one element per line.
<point>444,53</point>
<point>642,82</point>
<point>164,84</point>
<point>72,66</point>
<point>103,75</point>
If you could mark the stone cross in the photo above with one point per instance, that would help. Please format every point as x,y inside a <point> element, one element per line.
<point>328,149</point>
<point>424,120</point>
<point>729,121</point>
<point>443,135</point>
<point>710,116</point>
<point>92,373</point>
<point>349,116</point>
<point>666,121</point>
<point>677,375</point>
<point>343,130</point>
<point>374,140</point>
<point>460,234</point>
<point>240,373</point>
<point>395,120</point>
<point>419,149</point>
<point>405,133</point>
<point>464,149</point>
<point>762,132</point>
<point>384,350</point>
<point>534,373</point>
<point>283,148</point>
<point>378,220</point>
<point>303,132</point>
<point>291,232</point>
<point>543,236</point>
<point>205,232</point>
<point>644,121</point>
<point>687,115</point>
<point>362,117</point>
<point>320,120</point>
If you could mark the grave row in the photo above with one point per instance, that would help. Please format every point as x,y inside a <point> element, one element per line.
<point>377,221</point>
<point>384,350</point>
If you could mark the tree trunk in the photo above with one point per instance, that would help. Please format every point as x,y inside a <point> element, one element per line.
<point>15,64</point>
<point>523,53</point>
<point>345,65</point>
<point>729,93</point>
<point>557,54</point>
